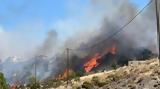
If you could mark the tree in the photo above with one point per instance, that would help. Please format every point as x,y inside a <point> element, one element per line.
<point>3,83</point>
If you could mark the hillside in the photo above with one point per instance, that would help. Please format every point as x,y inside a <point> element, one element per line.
<point>136,75</point>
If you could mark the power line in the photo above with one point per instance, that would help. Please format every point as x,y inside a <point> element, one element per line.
<point>121,29</point>
<point>109,37</point>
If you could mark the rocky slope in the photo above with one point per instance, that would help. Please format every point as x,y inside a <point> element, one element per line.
<point>137,75</point>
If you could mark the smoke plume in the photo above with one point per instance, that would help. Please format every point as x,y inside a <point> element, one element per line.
<point>103,18</point>
<point>49,44</point>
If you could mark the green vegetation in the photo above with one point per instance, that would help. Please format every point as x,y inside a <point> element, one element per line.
<point>32,84</point>
<point>114,66</point>
<point>72,75</point>
<point>3,83</point>
<point>77,79</point>
<point>51,84</point>
<point>75,75</point>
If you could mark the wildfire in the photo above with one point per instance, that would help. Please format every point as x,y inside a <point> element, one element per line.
<point>93,62</point>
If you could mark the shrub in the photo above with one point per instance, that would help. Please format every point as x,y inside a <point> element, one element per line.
<point>96,82</point>
<point>87,85</point>
<point>112,78</point>
<point>3,83</point>
<point>114,66</point>
<point>32,83</point>
<point>77,79</point>
<point>21,87</point>
<point>74,75</point>
<point>51,84</point>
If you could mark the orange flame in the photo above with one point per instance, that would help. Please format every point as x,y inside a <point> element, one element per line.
<point>92,63</point>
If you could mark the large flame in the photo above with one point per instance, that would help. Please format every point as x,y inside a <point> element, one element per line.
<point>88,66</point>
<point>93,62</point>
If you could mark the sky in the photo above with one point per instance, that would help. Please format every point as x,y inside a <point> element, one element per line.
<point>140,3</point>
<point>14,14</point>
<point>18,12</point>
<point>28,21</point>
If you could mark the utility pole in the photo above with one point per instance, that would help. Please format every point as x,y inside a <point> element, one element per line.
<point>158,29</point>
<point>68,65</point>
<point>35,74</point>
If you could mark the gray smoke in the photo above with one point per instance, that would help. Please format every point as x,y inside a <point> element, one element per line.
<point>49,45</point>
<point>20,69</point>
<point>140,34</point>
<point>113,14</point>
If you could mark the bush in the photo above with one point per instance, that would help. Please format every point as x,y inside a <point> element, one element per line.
<point>96,82</point>
<point>33,84</point>
<point>114,66</point>
<point>21,87</point>
<point>77,79</point>
<point>74,75</point>
<point>87,85</point>
<point>112,78</point>
<point>51,84</point>
<point>3,83</point>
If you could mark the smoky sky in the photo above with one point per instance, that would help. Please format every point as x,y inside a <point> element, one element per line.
<point>112,15</point>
